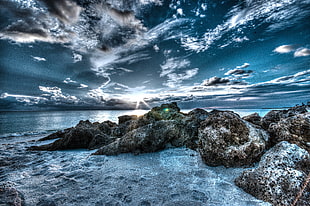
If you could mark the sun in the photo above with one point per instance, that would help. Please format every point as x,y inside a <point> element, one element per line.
<point>140,99</point>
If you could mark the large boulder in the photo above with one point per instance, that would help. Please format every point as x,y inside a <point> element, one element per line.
<point>149,138</point>
<point>280,176</point>
<point>276,115</point>
<point>294,129</point>
<point>84,135</point>
<point>226,139</point>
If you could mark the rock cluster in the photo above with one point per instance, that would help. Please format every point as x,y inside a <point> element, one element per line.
<point>279,176</point>
<point>221,137</point>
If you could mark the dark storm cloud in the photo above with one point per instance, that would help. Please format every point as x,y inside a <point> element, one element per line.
<point>65,10</point>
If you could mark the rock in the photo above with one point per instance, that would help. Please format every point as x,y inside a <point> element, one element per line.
<point>253,118</point>
<point>149,138</point>
<point>279,176</point>
<point>124,118</point>
<point>276,115</point>
<point>84,135</point>
<point>294,129</point>
<point>164,112</point>
<point>10,195</point>
<point>189,129</point>
<point>226,139</point>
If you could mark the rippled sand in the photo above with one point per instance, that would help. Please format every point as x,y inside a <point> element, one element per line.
<point>175,176</point>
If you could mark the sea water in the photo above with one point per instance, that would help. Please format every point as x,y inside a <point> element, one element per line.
<point>41,122</point>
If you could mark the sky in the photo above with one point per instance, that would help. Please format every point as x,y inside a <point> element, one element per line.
<point>136,54</point>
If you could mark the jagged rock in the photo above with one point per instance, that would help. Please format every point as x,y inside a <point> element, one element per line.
<point>10,195</point>
<point>164,112</point>
<point>124,118</point>
<point>279,175</point>
<point>253,118</point>
<point>189,129</point>
<point>276,115</point>
<point>83,135</point>
<point>294,129</point>
<point>149,138</point>
<point>130,125</point>
<point>226,139</point>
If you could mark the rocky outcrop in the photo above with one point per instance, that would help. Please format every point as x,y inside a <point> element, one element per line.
<point>276,115</point>
<point>9,195</point>
<point>226,139</point>
<point>280,175</point>
<point>294,129</point>
<point>149,138</point>
<point>85,135</point>
<point>253,118</point>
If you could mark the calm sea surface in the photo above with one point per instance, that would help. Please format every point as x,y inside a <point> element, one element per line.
<point>31,123</point>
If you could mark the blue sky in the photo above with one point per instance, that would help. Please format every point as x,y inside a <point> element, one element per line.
<point>90,54</point>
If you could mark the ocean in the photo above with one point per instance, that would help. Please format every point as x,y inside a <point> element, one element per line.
<point>13,124</point>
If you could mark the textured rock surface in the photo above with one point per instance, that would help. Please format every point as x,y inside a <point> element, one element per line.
<point>279,175</point>
<point>149,138</point>
<point>294,129</point>
<point>253,118</point>
<point>226,139</point>
<point>10,195</point>
<point>276,115</point>
<point>85,135</point>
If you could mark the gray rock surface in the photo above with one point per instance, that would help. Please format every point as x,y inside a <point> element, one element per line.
<point>294,129</point>
<point>276,115</point>
<point>149,138</point>
<point>253,118</point>
<point>226,139</point>
<point>9,195</point>
<point>85,135</point>
<point>279,175</point>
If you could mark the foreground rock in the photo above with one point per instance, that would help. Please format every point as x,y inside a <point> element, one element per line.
<point>226,139</point>
<point>9,195</point>
<point>280,176</point>
<point>149,138</point>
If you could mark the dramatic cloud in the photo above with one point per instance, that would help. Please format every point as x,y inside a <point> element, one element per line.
<point>175,79</point>
<point>66,11</point>
<point>284,49</point>
<point>172,64</point>
<point>302,52</point>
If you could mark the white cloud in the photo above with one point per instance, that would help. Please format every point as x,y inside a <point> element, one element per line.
<point>172,64</point>
<point>245,65</point>
<point>284,49</point>
<point>175,79</point>
<point>39,59</point>
<point>238,39</point>
<point>302,52</point>
<point>69,80</point>
<point>82,86</point>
